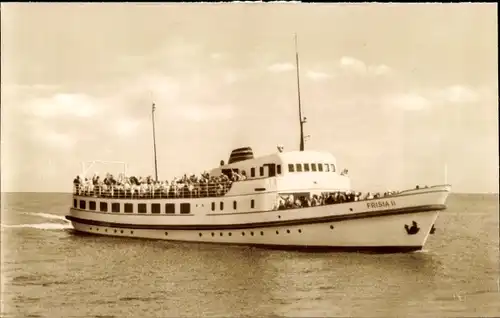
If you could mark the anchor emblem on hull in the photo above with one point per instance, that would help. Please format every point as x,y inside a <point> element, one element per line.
<point>414,229</point>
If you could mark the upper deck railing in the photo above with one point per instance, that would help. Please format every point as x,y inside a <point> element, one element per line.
<point>200,190</point>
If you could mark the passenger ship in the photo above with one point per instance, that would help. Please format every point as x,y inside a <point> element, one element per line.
<point>248,213</point>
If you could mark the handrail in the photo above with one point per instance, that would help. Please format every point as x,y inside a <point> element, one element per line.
<point>205,190</point>
<point>85,169</point>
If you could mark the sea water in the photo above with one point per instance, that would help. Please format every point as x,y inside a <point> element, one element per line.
<point>48,270</point>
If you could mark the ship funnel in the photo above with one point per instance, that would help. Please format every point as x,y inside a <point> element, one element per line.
<point>240,154</point>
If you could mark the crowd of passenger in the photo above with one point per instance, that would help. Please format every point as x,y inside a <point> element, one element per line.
<point>201,186</point>
<point>132,187</point>
<point>289,202</point>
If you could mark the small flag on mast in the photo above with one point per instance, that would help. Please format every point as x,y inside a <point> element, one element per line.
<point>154,107</point>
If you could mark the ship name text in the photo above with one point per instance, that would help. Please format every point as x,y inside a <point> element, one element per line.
<point>380,204</point>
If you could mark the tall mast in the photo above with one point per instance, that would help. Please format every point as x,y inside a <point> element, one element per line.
<point>153,108</point>
<point>301,120</point>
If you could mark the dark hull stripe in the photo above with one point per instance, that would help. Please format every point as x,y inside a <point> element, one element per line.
<point>298,248</point>
<point>201,227</point>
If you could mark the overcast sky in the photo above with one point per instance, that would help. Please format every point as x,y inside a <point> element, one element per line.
<point>395,92</point>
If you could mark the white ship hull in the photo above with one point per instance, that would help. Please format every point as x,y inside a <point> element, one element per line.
<point>383,225</point>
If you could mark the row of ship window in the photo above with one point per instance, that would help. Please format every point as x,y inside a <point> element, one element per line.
<point>185,208</point>
<point>300,167</point>
<point>314,167</point>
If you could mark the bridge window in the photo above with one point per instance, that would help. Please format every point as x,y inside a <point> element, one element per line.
<point>252,204</point>
<point>103,206</point>
<point>129,208</point>
<point>306,167</point>
<point>291,167</point>
<point>222,206</point>
<point>333,167</point>
<point>185,208</point>
<point>298,167</point>
<point>92,205</point>
<point>327,167</point>
<point>82,204</point>
<point>75,204</point>
<point>234,205</point>
<point>170,208</point>
<point>213,206</point>
<point>278,169</point>
<point>141,208</point>
<point>115,207</point>
<point>261,170</point>
<point>155,208</point>
<point>313,167</point>
<point>320,167</point>
<point>252,172</point>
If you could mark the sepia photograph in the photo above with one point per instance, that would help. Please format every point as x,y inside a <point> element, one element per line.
<point>249,159</point>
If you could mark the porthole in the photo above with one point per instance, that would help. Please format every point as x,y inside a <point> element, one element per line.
<point>220,233</point>
<point>230,234</point>
<point>350,209</point>
<point>166,233</point>
<point>200,234</point>
<point>331,226</point>
<point>105,230</point>
<point>242,233</point>
<point>279,216</point>
<point>213,234</point>
<point>261,233</point>
<point>121,231</point>
<point>277,232</point>
<point>251,233</point>
<point>288,231</point>
<point>131,232</point>
<point>116,231</point>
<point>97,229</point>
<point>300,231</point>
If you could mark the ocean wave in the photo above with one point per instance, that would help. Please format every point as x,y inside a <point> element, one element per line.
<point>46,215</point>
<point>40,226</point>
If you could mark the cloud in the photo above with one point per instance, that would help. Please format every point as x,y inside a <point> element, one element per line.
<point>281,67</point>
<point>124,126</point>
<point>351,64</point>
<point>25,87</point>
<point>61,104</point>
<point>46,136</point>
<point>231,77</point>
<point>408,101</point>
<point>448,96</point>
<point>154,86</point>
<point>216,56</point>
<point>458,94</point>
<point>199,113</point>
<point>58,140</point>
<point>318,76</point>
<point>379,69</point>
